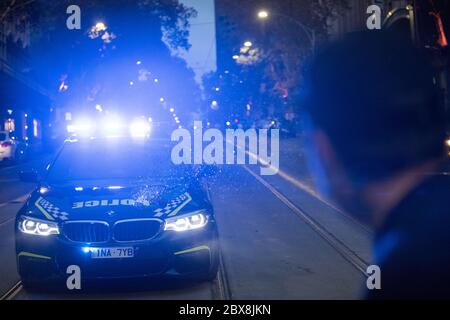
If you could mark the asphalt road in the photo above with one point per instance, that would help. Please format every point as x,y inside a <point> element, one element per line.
<point>279,239</point>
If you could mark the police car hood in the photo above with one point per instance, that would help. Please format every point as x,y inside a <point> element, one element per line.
<point>114,201</point>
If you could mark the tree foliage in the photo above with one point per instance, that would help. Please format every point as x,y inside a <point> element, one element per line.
<point>45,16</point>
<point>100,67</point>
<point>283,44</point>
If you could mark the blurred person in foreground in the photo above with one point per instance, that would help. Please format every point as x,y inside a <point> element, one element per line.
<point>376,134</point>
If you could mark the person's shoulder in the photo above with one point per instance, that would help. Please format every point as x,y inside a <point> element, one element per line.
<point>412,247</point>
<point>419,227</point>
<point>426,206</point>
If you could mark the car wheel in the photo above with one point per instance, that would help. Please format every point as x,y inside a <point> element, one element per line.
<point>211,274</point>
<point>32,285</point>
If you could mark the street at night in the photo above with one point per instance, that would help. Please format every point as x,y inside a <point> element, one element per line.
<point>302,247</point>
<point>223,158</point>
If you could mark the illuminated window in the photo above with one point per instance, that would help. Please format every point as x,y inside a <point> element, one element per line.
<point>9,125</point>
<point>36,128</point>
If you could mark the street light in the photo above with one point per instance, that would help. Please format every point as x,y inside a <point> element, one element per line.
<point>310,33</point>
<point>248,44</point>
<point>263,14</point>
<point>100,26</point>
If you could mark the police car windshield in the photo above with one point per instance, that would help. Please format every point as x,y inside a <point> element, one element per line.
<point>117,159</point>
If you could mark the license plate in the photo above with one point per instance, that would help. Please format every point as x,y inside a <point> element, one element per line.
<point>109,253</point>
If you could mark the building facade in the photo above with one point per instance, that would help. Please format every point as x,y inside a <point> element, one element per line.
<point>355,18</point>
<point>25,105</point>
<point>426,22</point>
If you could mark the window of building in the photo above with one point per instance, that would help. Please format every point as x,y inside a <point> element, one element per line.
<point>36,128</point>
<point>9,125</point>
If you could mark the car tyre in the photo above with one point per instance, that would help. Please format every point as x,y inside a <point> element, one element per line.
<point>211,275</point>
<point>31,285</point>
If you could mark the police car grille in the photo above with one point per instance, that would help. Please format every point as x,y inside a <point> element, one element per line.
<point>136,230</point>
<point>86,231</point>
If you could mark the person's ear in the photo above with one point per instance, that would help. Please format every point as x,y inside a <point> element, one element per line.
<point>334,170</point>
<point>325,150</point>
<point>342,189</point>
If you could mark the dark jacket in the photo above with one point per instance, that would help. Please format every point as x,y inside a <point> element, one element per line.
<point>412,248</point>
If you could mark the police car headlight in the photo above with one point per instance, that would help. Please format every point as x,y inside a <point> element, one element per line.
<point>37,227</point>
<point>194,220</point>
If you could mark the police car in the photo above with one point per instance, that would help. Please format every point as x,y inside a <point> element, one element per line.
<point>116,208</point>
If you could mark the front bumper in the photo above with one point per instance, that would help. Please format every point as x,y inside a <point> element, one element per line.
<point>177,254</point>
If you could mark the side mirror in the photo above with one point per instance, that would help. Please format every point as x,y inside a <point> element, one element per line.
<point>29,176</point>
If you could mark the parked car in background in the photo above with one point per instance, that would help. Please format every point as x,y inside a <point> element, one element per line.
<point>10,148</point>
